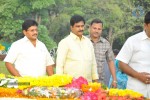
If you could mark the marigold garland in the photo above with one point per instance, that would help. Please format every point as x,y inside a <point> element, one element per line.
<point>91,90</point>
<point>90,87</point>
<point>126,92</point>
<point>54,80</point>
<point>9,92</point>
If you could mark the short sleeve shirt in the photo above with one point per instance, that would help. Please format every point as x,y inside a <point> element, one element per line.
<point>103,52</point>
<point>27,59</point>
<point>136,53</point>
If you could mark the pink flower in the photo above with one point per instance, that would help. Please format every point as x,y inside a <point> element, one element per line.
<point>19,91</point>
<point>77,83</point>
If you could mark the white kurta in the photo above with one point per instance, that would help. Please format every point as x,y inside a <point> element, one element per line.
<point>136,53</point>
<point>29,60</point>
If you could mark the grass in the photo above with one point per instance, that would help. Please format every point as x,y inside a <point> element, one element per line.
<point>3,68</point>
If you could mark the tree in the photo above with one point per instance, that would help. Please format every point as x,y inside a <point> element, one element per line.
<point>13,12</point>
<point>54,15</point>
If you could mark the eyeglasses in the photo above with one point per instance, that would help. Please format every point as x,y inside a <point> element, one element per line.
<point>36,30</point>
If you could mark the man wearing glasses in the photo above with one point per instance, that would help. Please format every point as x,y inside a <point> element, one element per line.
<point>29,56</point>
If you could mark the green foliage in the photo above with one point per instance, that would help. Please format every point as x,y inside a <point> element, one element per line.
<point>54,16</point>
<point>43,36</point>
<point>104,86</point>
<point>38,4</point>
<point>7,7</point>
<point>8,28</point>
<point>59,27</point>
<point>23,7</point>
<point>12,14</point>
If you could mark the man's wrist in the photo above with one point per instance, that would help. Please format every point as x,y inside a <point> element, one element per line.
<point>114,81</point>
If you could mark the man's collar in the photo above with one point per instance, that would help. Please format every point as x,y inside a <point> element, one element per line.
<point>26,39</point>
<point>75,36</point>
<point>100,39</point>
<point>144,36</point>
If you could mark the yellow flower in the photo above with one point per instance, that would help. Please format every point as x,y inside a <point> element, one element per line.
<point>126,92</point>
<point>2,47</point>
<point>2,75</point>
<point>54,80</point>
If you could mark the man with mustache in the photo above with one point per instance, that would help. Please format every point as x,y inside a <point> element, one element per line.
<point>29,56</point>
<point>75,54</point>
<point>134,59</point>
<point>103,51</point>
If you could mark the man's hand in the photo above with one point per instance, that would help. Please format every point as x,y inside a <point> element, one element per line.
<point>144,77</point>
<point>114,84</point>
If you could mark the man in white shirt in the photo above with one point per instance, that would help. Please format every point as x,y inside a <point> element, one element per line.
<point>134,60</point>
<point>29,56</point>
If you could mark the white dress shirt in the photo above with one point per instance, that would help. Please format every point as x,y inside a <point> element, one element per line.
<point>136,53</point>
<point>27,59</point>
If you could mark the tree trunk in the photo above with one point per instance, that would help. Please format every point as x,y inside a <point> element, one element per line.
<point>110,37</point>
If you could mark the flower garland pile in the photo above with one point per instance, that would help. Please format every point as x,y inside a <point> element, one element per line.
<point>62,87</point>
<point>25,82</point>
<point>50,81</point>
